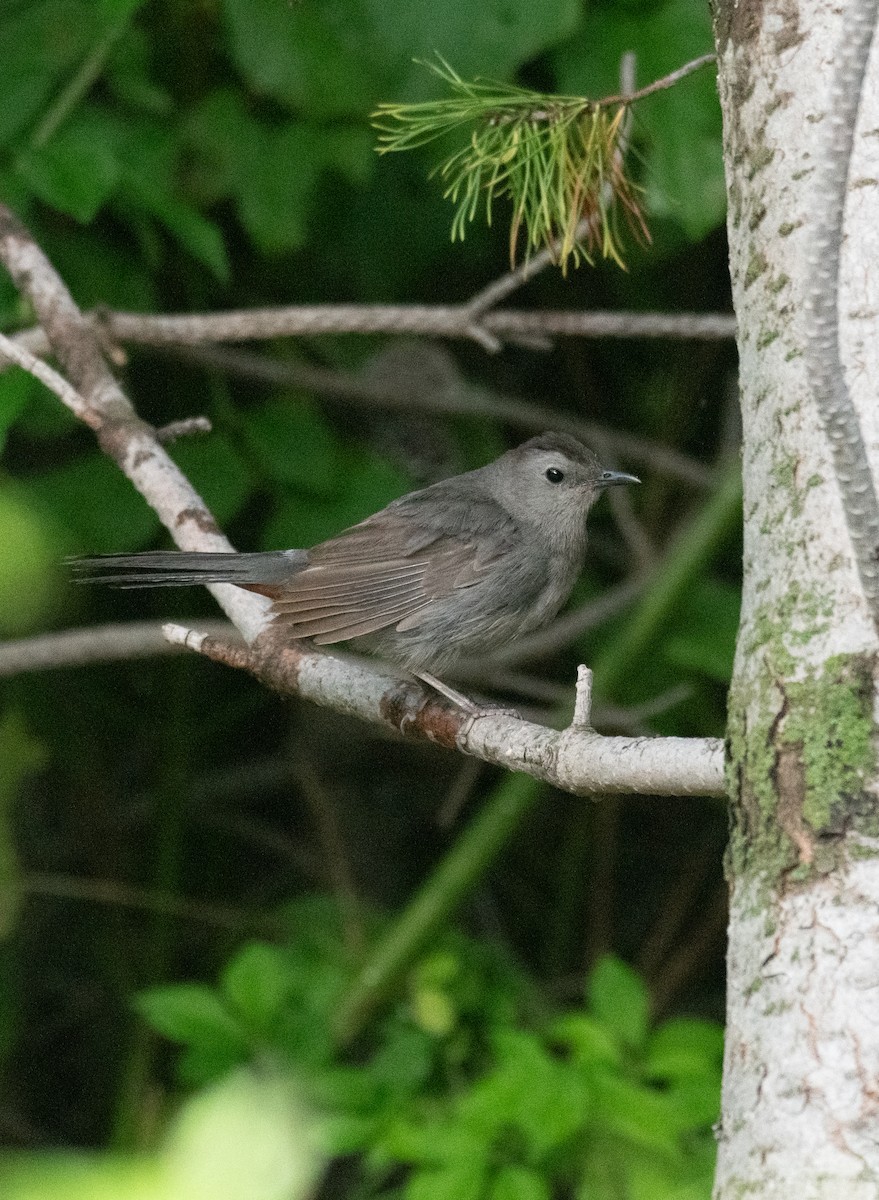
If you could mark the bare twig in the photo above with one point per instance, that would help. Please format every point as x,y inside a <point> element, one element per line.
<point>322,805</point>
<point>504,286</point>
<point>184,428</point>
<point>582,718</point>
<point>13,352</point>
<point>660,85</point>
<point>573,760</point>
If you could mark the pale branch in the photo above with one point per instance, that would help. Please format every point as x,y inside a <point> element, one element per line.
<point>131,442</point>
<point>347,387</point>
<point>99,644</point>
<point>822,349</point>
<point>184,428</point>
<point>449,321</point>
<point>13,352</point>
<point>439,321</point>
<point>573,760</point>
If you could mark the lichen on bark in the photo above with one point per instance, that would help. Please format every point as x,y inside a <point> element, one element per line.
<point>801,751</point>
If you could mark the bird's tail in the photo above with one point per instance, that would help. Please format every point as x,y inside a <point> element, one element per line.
<point>170,568</point>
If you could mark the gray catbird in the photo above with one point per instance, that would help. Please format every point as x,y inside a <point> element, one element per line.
<point>453,571</point>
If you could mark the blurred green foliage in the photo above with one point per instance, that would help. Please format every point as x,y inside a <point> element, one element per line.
<point>458,1083</point>
<point>171,156</point>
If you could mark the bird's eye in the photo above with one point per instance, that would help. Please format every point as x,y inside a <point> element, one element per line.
<point>554,475</point>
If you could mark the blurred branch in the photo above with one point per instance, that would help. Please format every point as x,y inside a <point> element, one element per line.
<point>693,956</point>
<point>463,399</point>
<point>571,624</point>
<point>431,907</point>
<point>693,545</point>
<point>321,802</point>
<point>101,644</point>
<point>573,760</point>
<point>122,895</point>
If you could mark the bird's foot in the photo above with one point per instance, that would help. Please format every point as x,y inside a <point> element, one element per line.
<point>470,707</point>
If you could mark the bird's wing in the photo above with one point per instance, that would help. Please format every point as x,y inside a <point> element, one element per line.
<point>390,568</point>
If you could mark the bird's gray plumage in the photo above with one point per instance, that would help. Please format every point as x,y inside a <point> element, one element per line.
<point>455,569</point>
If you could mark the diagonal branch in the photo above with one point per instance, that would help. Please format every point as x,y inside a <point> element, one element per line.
<point>102,405</point>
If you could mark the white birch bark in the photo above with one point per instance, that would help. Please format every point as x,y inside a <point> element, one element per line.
<point>801,1077</point>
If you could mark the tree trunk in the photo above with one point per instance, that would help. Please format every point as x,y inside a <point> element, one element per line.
<point>801,1076</point>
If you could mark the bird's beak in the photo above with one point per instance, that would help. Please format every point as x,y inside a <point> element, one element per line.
<point>615,479</point>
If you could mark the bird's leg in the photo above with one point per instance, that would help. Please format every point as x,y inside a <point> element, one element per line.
<point>462,701</point>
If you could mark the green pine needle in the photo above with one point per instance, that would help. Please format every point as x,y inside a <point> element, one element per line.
<point>557,159</point>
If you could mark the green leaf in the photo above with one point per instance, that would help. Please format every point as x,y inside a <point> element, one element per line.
<point>199,236</point>
<point>222,133</point>
<point>29,561</point>
<point>323,59</point>
<point>128,75</point>
<point>367,484</point>
<point>271,169</point>
<point>93,502</point>
<point>547,1101</point>
<point>295,445</point>
<point>78,169</point>
<point>16,388</point>
<point>341,57</point>
<point>592,1044</point>
<point>193,1015</point>
<point>706,627</point>
<point>489,40</point>
<point>42,40</point>
<point>518,1183</point>
<point>463,1179</point>
<point>274,201</point>
<point>151,185</point>
<point>619,1001</point>
<point>256,982</point>
<point>682,1047</point>
<point>643,1117</point>
<point>217,472</point>
<point>682,150</point>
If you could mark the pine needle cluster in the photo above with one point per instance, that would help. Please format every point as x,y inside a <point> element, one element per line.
<point>558,159</point>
